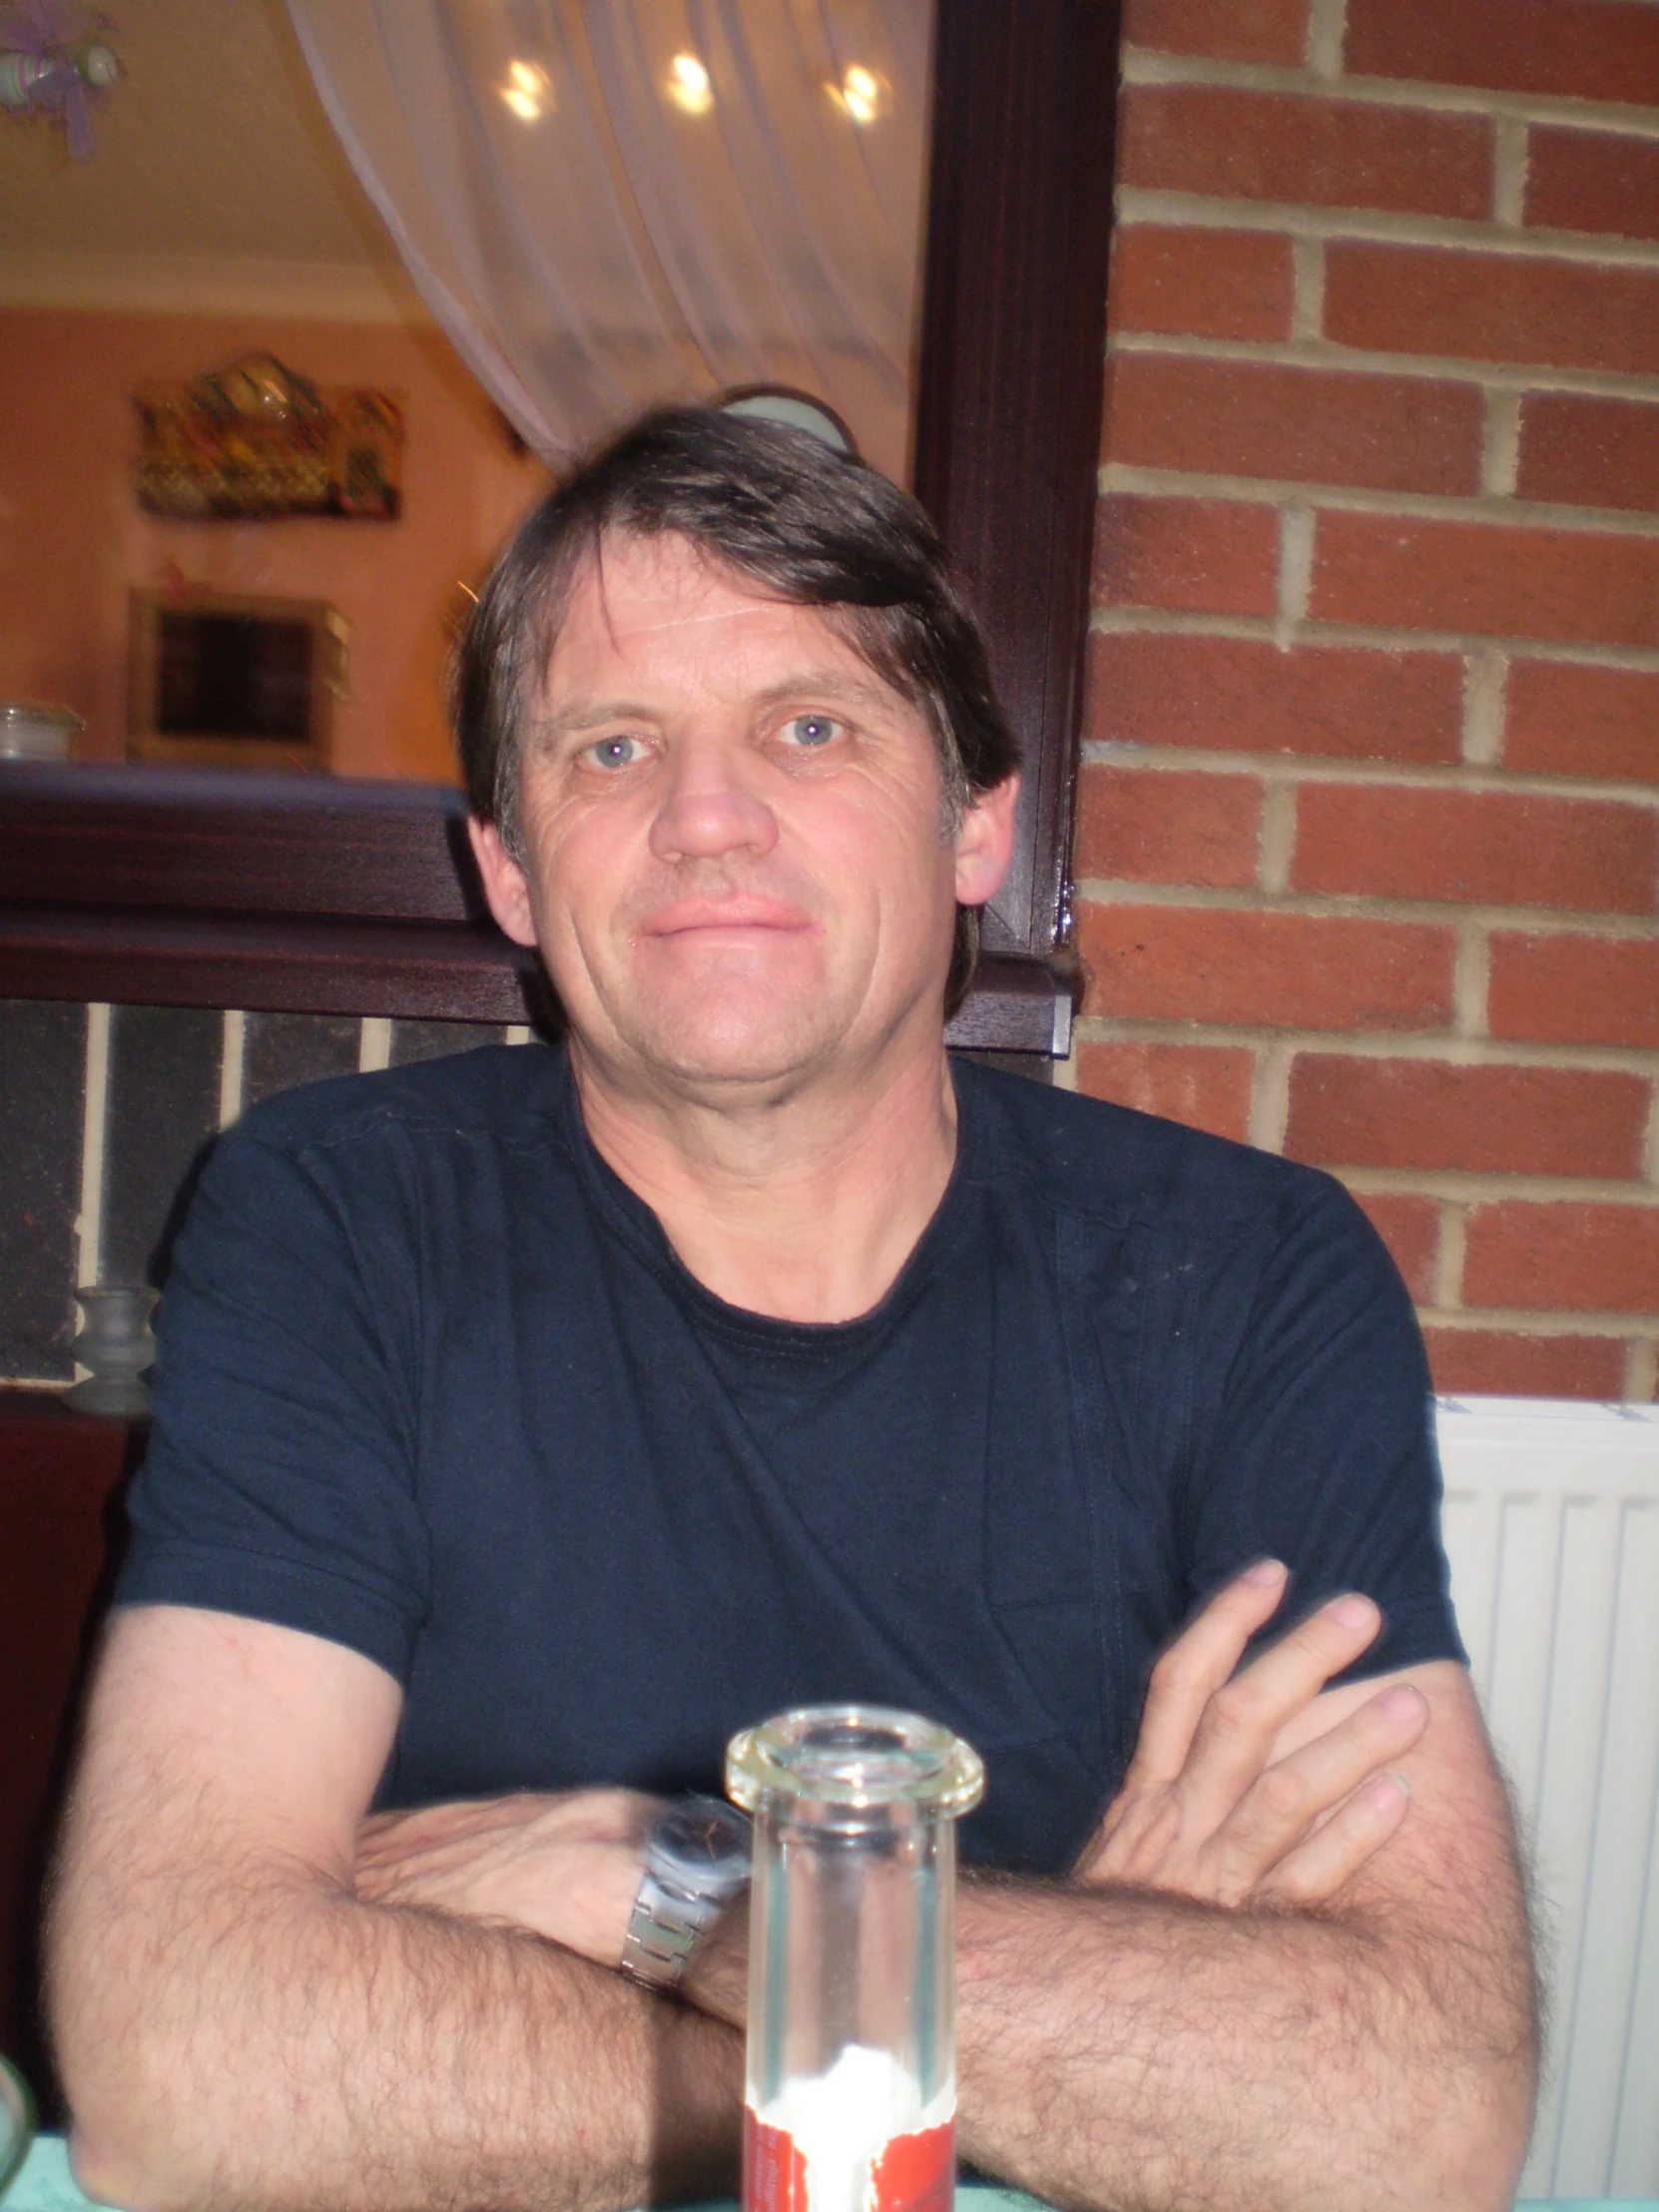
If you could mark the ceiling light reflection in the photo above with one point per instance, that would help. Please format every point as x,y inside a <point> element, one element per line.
<point>527,91</point>
<point>862,95</point>
<point>688,85</point>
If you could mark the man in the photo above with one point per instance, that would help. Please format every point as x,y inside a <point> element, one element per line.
<point>525,1424</point>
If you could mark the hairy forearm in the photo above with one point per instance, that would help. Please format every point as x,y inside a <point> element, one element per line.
<point>1127,2049</point>
<point>270,2040</point>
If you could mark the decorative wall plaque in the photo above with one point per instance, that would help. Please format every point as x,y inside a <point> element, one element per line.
<point>256,440</point>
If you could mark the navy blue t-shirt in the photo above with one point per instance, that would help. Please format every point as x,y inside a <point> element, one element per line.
<point>432,1384</point>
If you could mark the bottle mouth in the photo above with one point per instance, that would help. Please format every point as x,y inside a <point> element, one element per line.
<point>852,1756</point>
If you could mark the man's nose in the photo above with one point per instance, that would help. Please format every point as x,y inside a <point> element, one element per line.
<point>709,805</point>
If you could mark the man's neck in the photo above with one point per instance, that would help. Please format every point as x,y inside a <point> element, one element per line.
<point>806,1205</point>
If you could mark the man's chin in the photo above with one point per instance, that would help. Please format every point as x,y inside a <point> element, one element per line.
<point>696,1052</point>
<point>719,1025</point>
<point>725,1019</point>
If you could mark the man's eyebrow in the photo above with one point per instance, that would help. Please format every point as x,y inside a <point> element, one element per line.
<point>830,684</point>
<point>589,718</point>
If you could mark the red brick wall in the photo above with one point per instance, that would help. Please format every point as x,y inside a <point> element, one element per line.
<point>1367,848</point>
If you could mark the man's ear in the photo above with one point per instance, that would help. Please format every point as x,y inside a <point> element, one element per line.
<point>985,842</point>
<point>505,884</point>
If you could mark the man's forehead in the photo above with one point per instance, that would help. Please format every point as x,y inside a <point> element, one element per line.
<point>653,599</point>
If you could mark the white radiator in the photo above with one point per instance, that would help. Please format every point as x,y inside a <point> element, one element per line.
<point>1552,1530</point>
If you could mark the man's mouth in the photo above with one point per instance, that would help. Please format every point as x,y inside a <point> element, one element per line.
<point>714,917</point>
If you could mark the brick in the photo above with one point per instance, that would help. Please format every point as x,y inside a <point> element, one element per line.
<point>1563,1258</point>
<point>1571,989</point>
<point>1276,971</point>
<point>1502,1363</point>
<point>1592,180</point>
<point>1156,826</point>
<point>1201,283</point>
<point>1237,418</point>
<point>1493,308</point>
<point>1206,1086</point>
<point>1589,452</point>
<point>1319,151</point>
<point>1362,1113</point>
<point>1565,719</point>
<point>1226,30</point>
<point>1497,849</point>
<point>1215,556</point>
<point>1410,1228</point>
<point>1229,693</point>
<point>1493,580</point>
<point>1594,49</point>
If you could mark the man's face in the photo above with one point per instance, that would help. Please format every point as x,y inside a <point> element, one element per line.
<point>734,854</point>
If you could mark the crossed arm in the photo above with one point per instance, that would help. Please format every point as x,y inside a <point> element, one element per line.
<point>1273,1980</point>
<point>237,2027</point>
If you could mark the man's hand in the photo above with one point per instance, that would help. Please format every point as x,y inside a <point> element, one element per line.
<point>565,1867</point>
<point>1221,1803</point>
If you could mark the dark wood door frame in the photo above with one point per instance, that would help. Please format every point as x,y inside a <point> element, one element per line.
<point>190,887</point>
<point>1011,379</point>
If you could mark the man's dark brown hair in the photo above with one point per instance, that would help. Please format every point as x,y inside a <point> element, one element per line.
<point>805,524</point>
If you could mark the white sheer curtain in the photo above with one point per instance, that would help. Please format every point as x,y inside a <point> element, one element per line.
<point>607,203</point>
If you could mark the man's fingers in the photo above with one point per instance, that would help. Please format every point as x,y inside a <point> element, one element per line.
<point>1235,1736</point>
<point>1287,1801</point>
<point>1316,1870</point>
<point>1195,1667</point>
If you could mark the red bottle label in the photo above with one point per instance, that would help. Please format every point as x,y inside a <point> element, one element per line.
<point>914,2173</point>
<point>917,2173</point>
<point>774,2171</point>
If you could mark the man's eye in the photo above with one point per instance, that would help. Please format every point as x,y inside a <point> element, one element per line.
<point>810,730</point>
<point>615,752</point>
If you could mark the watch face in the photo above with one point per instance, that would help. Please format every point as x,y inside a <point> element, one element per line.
<point>700,1844</point>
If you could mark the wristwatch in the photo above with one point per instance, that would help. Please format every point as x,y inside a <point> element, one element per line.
<point>695,1860</point>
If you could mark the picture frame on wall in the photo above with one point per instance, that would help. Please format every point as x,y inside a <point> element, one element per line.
<point>233,680</point>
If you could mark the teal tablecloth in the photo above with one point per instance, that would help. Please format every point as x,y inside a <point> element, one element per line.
<point>46,2185</point>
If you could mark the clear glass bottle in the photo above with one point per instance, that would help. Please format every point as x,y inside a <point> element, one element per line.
<point>851,2091</point>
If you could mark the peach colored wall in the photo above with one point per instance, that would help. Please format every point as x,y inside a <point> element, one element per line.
<point>73,540</point>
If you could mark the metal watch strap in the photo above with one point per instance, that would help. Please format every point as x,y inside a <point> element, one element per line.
<point>663,1932</point>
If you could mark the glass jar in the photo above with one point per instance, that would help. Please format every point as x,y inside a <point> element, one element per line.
<point>116,1346</point>
<point>850,2087</point>
<point>29,731</point>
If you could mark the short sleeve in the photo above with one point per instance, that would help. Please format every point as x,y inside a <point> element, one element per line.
<point>1316,1444</point>
<point>279,1481</point>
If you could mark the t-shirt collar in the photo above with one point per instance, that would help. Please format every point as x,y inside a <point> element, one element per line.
<point>626,1215</point>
